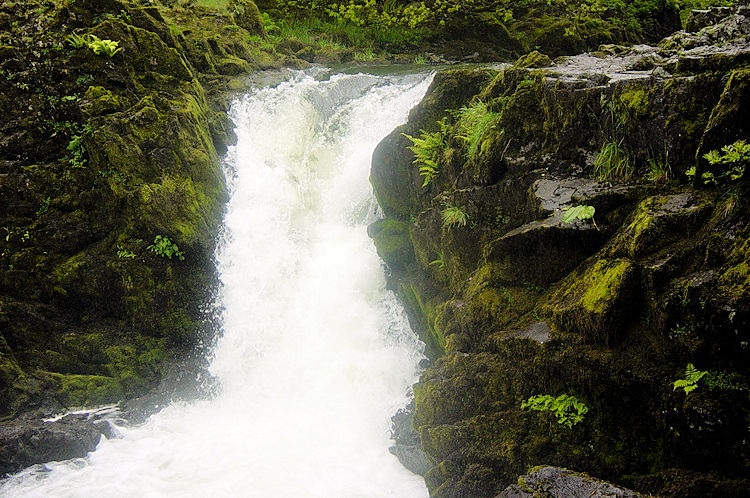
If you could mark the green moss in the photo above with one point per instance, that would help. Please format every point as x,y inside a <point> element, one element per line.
<point>533,59</point>
<point>393,243</point>
<point>633,103</point>
<point>426,314</point>
<point>734,277</point>
<point>597,302</point>
<point>85,390</point>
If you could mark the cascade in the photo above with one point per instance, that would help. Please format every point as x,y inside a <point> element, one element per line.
<point>315,353</point>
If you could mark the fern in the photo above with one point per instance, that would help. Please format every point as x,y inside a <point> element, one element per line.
<point>566,408</point>
<point>427,149</point>
<point>690,382</point>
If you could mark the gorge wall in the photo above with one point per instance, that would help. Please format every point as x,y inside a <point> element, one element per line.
<point>110,192</point>
<point>516,300</point>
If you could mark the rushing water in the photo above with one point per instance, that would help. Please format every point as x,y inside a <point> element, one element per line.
<point>316,354</point>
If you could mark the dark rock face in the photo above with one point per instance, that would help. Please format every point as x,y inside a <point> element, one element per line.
<point>610,309</point>
<point>555,482</point>
<point>25,443</point>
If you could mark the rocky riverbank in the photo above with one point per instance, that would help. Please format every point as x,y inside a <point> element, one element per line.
<point>578,267</point>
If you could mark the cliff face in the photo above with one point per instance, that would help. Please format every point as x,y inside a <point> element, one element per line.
<point>489,191</point>
<point>110,191</point>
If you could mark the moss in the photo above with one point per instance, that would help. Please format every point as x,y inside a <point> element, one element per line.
<point>425,317</point>
<point>632,103</point>
<point>392,242</point>
<point>597,301</point>
<point>85,390</point>
<point>99,100</point>
<point>734,278</point>
<point>533,59</point>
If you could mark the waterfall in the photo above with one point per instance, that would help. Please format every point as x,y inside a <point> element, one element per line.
<point>315,354</point>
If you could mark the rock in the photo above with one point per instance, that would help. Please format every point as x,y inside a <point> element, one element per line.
<point>597,302</point>
<point>408,448</point>
<point>28,442</point>
<point>247,15</point>
<point>555,482</point>
<point>392,241</point>
<point>523,252</point>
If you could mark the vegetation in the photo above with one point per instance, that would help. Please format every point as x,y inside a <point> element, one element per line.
<point>165,248</point>
<point>473,123</point>
<point>567,409</point>
<point>728,165</point>
<point>96,44</point>
<point>427,149</point>
<point>690,382</point>
<point>454,216</point>
<point>613,163</point>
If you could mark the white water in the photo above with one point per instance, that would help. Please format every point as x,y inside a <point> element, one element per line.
<point>316,354</point>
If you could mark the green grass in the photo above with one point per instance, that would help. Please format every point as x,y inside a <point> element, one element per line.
<point>613,163</point>
<point>474,121</point>
<point>454,216</point>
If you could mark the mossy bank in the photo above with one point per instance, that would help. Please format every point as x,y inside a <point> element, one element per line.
<point>577,267</point>
<point>112,122</point>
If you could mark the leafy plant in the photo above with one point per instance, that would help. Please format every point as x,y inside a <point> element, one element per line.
<point>580,212</point>
<point>165,248</point>
<point>77,41</point>
<point>93,42</point>
<point>44,207</point>
<point>613,163</point>
<point>103,47</point>
<point>78,151</point>
<point>566,408</point>
<point>123,253</point>
<point>729,164</point>
<point>427,149</point>
<point>690,382</point>
<point>454,216</point>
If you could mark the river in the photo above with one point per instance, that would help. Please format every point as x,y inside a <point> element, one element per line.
<point>315,354</point>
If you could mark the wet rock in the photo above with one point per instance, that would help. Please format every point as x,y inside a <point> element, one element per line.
<point>408,448</point>
<point>28,442</point>
<point>554,482</point>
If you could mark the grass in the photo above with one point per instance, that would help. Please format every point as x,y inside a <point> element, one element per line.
<point>454,216</point>
<point>613,163</point>
<point>474,121</point>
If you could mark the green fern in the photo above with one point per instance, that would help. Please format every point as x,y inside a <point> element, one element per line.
<point>566,408</point>
<point>427,149</point>
<point>690,382</point>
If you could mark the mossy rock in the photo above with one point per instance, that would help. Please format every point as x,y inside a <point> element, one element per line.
<point>84,390</point>
<point>659,221</point>
<point>597,302</point>
<point>392,242</point>
<point>728,121</point>
<point>247,15</point>
<point>534,59</point>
